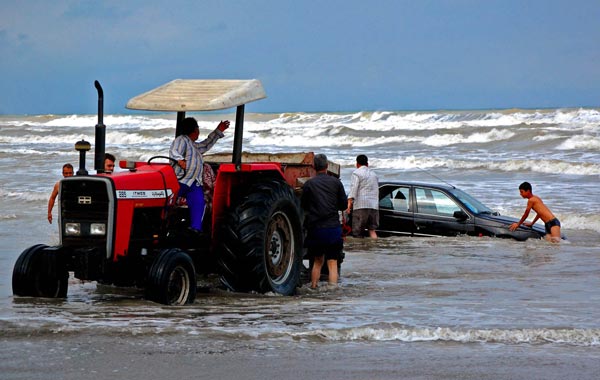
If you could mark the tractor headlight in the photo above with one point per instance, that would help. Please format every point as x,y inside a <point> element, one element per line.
<point>98,229</point>
<point>73,229</point>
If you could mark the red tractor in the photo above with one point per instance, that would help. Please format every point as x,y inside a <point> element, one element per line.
<point>129,228</point>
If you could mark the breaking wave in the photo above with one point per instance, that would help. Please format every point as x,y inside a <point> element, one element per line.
<point>581,142</point>
<point>389,332</point>
<point>578,337</point>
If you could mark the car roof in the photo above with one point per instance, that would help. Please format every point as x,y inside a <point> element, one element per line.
<point>182,95</point>
<point>446,187</point>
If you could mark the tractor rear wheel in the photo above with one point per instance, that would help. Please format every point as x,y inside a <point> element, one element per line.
<point>172,278</point>
<point>261,241</point>
<point>39,272</point>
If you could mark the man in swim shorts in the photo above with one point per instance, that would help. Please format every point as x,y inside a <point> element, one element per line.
<point>534,202</point>
<point>550,224</point>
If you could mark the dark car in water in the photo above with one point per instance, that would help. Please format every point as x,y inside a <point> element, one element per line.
<point>424,209</point>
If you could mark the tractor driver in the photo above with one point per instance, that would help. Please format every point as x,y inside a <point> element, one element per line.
<point>109,163</point>
<point>188,154</point>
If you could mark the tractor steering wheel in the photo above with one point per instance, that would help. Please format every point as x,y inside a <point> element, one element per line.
<point>173,162</point>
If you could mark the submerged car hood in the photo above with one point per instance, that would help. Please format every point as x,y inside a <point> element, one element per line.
<point>505,220</point>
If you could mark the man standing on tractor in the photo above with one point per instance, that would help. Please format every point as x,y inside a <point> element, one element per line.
<point>188,154</point>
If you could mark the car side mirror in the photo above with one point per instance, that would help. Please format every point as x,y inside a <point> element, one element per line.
<point>460,215</point>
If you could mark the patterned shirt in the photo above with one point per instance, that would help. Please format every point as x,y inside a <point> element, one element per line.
<point>364,189</point>
<point>183,148</point>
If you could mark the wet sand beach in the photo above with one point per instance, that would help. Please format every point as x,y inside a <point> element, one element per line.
<point>170,357</point>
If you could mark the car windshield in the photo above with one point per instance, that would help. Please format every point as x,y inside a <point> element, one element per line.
<point>471,203</point>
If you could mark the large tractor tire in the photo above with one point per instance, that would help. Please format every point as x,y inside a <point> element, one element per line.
<point>172,278</point>
<point>39,272</point>
<point>261,241</point>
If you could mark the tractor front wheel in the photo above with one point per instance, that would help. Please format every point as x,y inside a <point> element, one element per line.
<point>40,272</point>
<point>172,278</point>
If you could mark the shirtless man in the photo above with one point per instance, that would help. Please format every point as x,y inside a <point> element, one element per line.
<point>67,171</point>
<point>534,202</point>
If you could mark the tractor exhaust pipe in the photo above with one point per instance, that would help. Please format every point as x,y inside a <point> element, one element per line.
<point>236,157</point>
<point>100,132</point>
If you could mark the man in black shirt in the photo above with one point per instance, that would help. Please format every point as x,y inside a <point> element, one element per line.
<point>322,197</point>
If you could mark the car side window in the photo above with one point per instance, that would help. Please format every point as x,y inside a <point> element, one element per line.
<point>400,198</point>
<point>394,198</point>
<point>385,197</point>
<point>435,202</point>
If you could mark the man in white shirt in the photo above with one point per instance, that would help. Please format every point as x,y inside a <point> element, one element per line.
<point>363,199</point>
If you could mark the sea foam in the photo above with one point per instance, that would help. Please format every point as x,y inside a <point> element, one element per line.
<point>576,337</point>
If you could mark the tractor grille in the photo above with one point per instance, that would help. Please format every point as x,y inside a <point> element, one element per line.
<point>84,199</point>
<point>87,212</point>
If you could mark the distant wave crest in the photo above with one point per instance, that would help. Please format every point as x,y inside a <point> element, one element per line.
<point>511,165</point>
<point>478,138</point>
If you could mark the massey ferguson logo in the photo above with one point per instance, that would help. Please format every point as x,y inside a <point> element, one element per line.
<point>143,194</point>
<point>84,200</point>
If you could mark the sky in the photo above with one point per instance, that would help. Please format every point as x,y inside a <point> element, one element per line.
<point>310,55</point>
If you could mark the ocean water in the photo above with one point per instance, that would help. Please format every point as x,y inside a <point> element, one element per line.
<point>461,290</point>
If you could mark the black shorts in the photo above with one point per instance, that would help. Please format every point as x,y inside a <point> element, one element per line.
<point>550,224</point>
<point>326,242</point>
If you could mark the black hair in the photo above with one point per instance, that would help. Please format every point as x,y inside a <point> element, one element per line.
<point>525,186</point>
<point>320,162</point>
<point>362,160</point>
<point>108,156</point>
<point>188,125</point>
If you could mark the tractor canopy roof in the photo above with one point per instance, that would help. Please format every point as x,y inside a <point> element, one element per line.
<point>183,95</point>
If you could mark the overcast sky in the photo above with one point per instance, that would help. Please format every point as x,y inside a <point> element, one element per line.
<point>321,55</point>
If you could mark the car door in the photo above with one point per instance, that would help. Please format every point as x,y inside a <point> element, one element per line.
<point>395,211</point>
<point>437,213</point>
